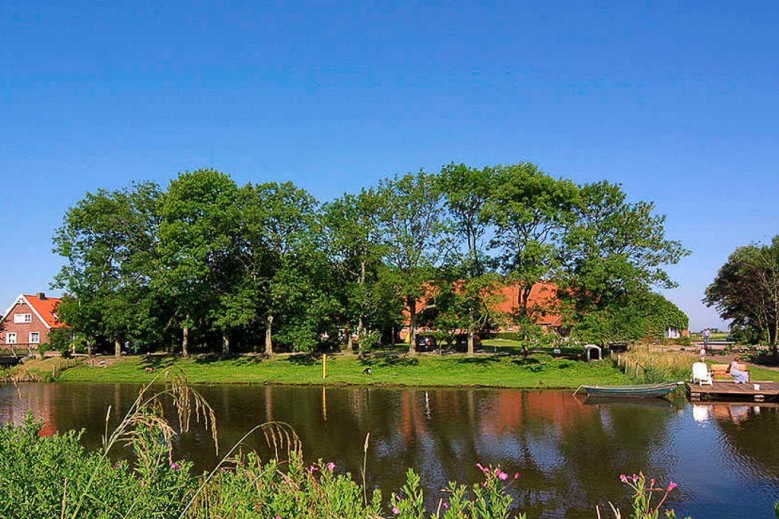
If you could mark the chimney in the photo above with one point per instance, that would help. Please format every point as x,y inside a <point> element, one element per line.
<point>41,296</point>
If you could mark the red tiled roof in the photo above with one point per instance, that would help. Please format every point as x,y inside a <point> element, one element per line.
<point>46,308</point>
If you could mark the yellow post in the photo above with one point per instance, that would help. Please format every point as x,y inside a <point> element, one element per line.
<point>324,366</point>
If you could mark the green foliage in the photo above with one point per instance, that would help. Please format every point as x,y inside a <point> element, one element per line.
<point>746,291</point>
<point>221,266</point>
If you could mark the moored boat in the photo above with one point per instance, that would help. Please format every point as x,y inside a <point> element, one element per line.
<point>632,391</point>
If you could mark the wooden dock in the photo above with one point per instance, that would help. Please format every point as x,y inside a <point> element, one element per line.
<point>732,391</point>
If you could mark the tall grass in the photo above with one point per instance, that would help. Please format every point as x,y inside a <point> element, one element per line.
<point>645,365</point>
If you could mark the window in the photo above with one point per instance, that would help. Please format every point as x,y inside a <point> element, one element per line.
<point>35,337</point>
<point>22,318</point>
<point>10,338</point>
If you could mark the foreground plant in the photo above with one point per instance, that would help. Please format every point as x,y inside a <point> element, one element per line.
<point>648,498</point>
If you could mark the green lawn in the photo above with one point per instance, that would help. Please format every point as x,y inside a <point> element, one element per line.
<point>756,373</point>
<point>424,370</point>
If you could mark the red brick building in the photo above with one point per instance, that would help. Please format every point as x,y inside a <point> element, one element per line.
<point>28,322</point>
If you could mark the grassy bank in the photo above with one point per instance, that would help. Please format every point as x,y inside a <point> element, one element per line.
<point>425,370</point>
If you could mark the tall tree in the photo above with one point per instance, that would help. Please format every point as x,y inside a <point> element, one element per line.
<point>109,241</point>
<point>614,251</point>
<point>279,244</point>
<point>530,211</point>
<point>409,216</point>
<point>198,246</point>
<point>467,192</point>
<point>746,290</point>
<point>354,245</point>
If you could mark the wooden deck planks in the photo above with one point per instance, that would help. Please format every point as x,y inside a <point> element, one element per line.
<point>767,391</point>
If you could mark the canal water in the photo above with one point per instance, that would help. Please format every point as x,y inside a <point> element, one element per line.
<point>569,452</point>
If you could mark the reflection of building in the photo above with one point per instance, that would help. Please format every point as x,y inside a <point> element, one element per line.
<point>29,320</point>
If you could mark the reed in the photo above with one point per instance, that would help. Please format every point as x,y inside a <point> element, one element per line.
<point>646,365</point>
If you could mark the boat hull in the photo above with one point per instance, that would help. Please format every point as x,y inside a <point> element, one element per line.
<point>635,391</point>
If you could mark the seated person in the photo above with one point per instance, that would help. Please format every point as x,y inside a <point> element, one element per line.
<point>739,377</point>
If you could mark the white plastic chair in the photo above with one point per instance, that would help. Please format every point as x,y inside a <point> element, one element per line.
<point>701,375</point>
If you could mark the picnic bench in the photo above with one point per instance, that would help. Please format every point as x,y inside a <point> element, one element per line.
<point>721,370</point>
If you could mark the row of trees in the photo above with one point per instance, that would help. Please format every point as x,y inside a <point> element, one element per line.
<point>263,266</point>
<point>746,291</point>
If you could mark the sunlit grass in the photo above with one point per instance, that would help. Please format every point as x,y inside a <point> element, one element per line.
<point>425,370</point>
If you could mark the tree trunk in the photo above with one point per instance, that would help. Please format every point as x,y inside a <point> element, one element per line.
<point>185,342</point>
<point>269,336</point>
<point>349,341</point>
<point>89,348</point>
<point>117,348</point>
<point>412,309</point>
<point>470,343</point>
<point>225,344</point>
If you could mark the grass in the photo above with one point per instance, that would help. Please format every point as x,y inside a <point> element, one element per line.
<point>38,370</point>
<point>425,370</point>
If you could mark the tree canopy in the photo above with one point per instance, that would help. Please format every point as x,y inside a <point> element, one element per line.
<point>206,264</point>
<point>746,291</point>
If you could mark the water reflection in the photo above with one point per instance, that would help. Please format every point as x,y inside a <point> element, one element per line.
<point>569,452</point>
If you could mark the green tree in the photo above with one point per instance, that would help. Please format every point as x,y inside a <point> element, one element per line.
<point>639,315</point>
<point>109,242</point>
<point>746,290</point>
<point>614,252</point>
<point>409,218</point>
<point>281,255</point>
<point>198,247</point>
<point>472,289</point>
<point>354,246</point>
<point>531,212</point>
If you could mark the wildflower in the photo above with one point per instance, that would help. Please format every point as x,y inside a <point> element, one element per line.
<point>623,478</point>
<point>502,475</point>
<point>396,510</point>
<point>330,466</point>
<point>312,468</point>
<point>671,486</point>
<point>516,475</point>
<point>634,477</point>
<point>482,468</point>
<point>445,505</point>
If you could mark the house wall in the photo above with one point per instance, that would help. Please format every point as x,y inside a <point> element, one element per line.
<point>23,329</point>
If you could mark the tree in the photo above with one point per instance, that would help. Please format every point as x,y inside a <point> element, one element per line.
<point>354,246</point>
<point>198,236</point>
<point>531,212</point>
<point>467,192</point>
<point>639,315</point>
<point>109,242</point>
<point>280,255</point>
<point>409,218</point>
<point>614,252</point>
<point>746,290</point>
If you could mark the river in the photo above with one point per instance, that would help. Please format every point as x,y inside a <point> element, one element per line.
<point>725,458</point>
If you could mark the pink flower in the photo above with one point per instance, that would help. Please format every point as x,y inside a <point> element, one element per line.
<point>278,517</point>
<point>446,505</point>
<point>516,475</point>
<point>330,466</point>
<point>634,477</point>
<point>671,486</point>
<point>623,478</point>
<point>502,475</point>
<point>396,510</point>
<point>482,468</point>
<point>312,469</point>
<point>175,466</point>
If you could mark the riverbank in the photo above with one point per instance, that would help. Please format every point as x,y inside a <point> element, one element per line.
<point>428,370</point>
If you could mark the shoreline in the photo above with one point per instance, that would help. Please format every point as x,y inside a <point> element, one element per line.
<point>453,371</point>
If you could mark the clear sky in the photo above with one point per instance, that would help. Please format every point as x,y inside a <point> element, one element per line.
<point>675,100</point>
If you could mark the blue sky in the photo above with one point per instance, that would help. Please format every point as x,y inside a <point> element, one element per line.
<point>675,100</point>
